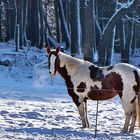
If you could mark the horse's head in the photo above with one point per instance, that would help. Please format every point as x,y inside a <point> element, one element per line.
<point>53,60</point>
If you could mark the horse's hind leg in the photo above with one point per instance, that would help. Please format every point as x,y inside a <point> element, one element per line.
<point>86,114</point>
<point>131,130</point>
<point>126,125</point>
<point>82,108</point>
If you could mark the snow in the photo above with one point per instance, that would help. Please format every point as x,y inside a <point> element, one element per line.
<point>34,106</point>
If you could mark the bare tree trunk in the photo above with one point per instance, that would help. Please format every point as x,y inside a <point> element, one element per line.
<point>64,28</point>
<point>0,27</point>
<point>57,21</point>
<point>75,28</point>
<point>12,18</point>
<point>66,7</point>
<point>125,53</point>
<point>33,25</point>
<point>4,15</point>
<point>46,43</point>
<point>19,22</point>
<point>25,17</point>
<point>87,23</point>
<point>37,25</point>
<point>7,21</point>
<point>41,24</point>
<point>134,38</point>
<point>122,36</point>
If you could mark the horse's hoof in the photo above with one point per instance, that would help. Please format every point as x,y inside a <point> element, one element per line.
<point>131,130</point>
<point>84,127</point>
<point>124,131</point>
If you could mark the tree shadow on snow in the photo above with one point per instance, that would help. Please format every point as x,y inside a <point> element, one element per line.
<point>52,132</point>
<point>67,132</point>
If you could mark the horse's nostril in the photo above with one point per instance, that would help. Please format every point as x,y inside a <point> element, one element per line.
<point>49,72</point>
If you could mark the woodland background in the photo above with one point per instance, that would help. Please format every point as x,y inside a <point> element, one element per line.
<point>91,29</point>
<point>35,106</point>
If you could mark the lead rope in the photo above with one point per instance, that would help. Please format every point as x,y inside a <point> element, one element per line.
<point>96,123</point>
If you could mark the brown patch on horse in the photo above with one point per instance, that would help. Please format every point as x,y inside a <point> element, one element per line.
<point>85,99</point>
<point>70,87</point>
<point>137,86</point>
<point>133,100</point>
<point>94,93</point>
<point>101,94</point>
<point>109,68</point>
<point>81,87</point>
<point>49,61</point>
<point>112,85</point>
<point>95,73</point>
<point>113,81</point>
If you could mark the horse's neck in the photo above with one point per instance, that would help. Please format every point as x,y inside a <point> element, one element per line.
<point>71,64</point>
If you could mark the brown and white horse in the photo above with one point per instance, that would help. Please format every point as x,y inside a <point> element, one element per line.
<point>86,81</point>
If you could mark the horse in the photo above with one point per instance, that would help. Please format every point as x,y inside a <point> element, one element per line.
<point>86,81</point>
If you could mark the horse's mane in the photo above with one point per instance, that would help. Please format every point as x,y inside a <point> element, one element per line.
<point>73,64</point>
<point>69,57</point>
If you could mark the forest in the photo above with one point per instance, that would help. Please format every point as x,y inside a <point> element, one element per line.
<point>90,29</point>
<point>35,105</point>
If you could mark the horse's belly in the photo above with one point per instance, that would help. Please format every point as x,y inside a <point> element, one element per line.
<point>84,88</point>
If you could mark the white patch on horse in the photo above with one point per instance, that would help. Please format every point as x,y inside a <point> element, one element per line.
<point>52,62</point>
<point>84,76</point>
<point>128,93</point>
<point>73,65</point>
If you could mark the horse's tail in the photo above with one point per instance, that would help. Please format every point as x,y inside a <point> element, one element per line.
<point>138,103</point>
<point>138,108</point>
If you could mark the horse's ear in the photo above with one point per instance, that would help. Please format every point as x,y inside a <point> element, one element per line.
<point>57,50</point>
<point>48,50</point>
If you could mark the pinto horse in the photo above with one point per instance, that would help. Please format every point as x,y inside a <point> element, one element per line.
<point>86,81</point>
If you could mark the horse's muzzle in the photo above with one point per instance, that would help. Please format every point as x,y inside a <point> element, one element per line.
<point>52,74</point>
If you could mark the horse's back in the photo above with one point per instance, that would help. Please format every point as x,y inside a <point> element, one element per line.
<point>124,66</point>
<point>126,69</point>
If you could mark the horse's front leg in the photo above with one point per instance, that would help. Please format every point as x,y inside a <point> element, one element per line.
<point>126,125</point>
<point>82,108</point>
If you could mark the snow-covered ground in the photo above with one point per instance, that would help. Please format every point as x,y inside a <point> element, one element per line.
<point>35,107</point>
